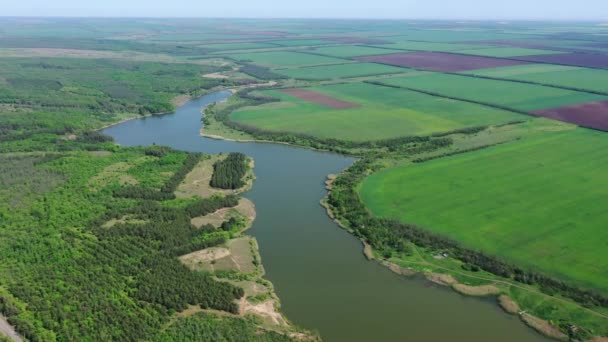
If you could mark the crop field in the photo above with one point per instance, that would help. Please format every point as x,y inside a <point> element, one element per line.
<point>590,114</point>
<point>302,42</point>
<point>432,46</point>
<point>580,78</point>
<point>382,113</point>
<point>537,202</point>
<point>507,52</point>
<point>436,61</point>
<point>286,59</point>
<point>346,51</point>
<point>341,71</point>
<point>238,46</point>
<point>574,59</point>
<point>526,97</point>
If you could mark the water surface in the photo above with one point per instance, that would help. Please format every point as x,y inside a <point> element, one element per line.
<point>319,272</point>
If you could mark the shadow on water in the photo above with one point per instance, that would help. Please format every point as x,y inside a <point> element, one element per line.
<point>318,269</point>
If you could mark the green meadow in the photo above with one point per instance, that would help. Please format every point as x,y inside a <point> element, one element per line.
<point>538,202</point>
<point>520,96</point>
<point>383,113</point>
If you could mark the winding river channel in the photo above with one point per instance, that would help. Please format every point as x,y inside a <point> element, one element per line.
<point>319,272</point>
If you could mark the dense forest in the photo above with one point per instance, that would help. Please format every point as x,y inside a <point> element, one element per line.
<point>229,172</point>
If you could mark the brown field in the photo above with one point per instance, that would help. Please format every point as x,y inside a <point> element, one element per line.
<point>437,61</point>
<point>318,98</point>
<point>591,115</point>
<point>573,59</point>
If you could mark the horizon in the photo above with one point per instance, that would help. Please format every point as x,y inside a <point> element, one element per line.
<point>474,10</point>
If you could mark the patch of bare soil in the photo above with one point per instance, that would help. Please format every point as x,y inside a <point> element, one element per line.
<point>216,75</point>
<point>543,327</point>
<point>440,278</point>
<point>8,330</point>
<point>368,251</point>
<point>180,100</point>
<point>266,310</point>
<point>245,208</point>
<point>508,304</point>
<point>237,255</point>
<point>480,291</point>
<point>196,183</point>
<point>329,182</point>
<point>398,269</point>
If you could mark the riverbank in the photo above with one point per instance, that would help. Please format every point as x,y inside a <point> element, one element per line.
<point>238,260</point>
<point>440,268</point>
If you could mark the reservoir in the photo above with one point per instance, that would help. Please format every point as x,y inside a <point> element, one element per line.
<point>319,272</point>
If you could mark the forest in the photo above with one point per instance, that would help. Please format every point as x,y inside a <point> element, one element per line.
<point>229,172</point>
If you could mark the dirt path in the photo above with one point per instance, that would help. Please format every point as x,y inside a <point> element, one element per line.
<point>8,330</point>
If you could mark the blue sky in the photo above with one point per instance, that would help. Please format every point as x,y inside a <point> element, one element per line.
<point>440,9</point>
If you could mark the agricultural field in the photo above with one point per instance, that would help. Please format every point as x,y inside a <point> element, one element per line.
<point>535,202</point>
<point>397,112</point>
<point>566,76</point>
<point>525,97</point>
<point>435,61</point>
<point>506,52</point>
<point>238,46</point>
<point>598,61</point>
<point>346,51</point>
<point>326,72</point>
<point>285,59</point>
<point>431,46</point>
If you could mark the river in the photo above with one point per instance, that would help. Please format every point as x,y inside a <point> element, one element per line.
<point>319,272</point>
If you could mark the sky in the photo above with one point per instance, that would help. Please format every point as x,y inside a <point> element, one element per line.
<point>396,9</point>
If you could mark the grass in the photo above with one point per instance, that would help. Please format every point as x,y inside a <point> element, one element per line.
<point>384,113</point>
<point>507,52</point>
<point>582,78</point>
<point>526,97</point>
<point>285,59</point>
<point>536,202</point>
<point>326,72</point>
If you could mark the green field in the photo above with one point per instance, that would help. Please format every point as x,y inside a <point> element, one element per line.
<point>237,46</point>
<point>507,52</point>
<point>285,59</point>
<point>519,96</point>
<point>325,72</point>
<point>591,79</point>
<point>431,46</point>
<point>347,51</point>
<point>302,42</point>
<point>384,113</point>
<point>538,202</point>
